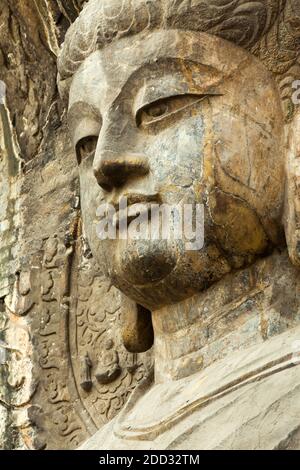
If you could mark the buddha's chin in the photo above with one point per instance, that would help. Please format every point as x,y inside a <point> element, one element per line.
<point>141,263</point>
<point>157,275</point>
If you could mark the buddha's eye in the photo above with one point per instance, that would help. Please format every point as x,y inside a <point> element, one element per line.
<point>86,147</point>
<point>161,109</point>
<point>157,109</point>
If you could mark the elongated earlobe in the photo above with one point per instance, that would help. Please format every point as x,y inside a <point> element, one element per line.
<point>292,202</point>
<point>137,329</point>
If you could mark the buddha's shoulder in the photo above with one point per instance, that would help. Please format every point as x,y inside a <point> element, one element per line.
<point>263,414</point>
<point>260,415</point>
<point>248,400</point>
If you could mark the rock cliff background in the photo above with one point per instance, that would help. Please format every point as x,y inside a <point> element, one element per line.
<point>33,169</point>
<point>58,316</point>
<point>30,35</point>
<point>57,313</point>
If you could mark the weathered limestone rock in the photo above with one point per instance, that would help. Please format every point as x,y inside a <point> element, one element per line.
<point>48,278</point>
<point>164,102</point>
<point>177,103</point>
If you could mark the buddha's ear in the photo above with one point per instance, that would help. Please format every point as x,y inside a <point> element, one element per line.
<point>137,329</point>
<point>292,201</point>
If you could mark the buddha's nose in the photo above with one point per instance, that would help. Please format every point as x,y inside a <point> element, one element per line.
<point>113,169</point>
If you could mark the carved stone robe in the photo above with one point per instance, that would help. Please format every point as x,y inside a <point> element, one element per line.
<point>249,400</point>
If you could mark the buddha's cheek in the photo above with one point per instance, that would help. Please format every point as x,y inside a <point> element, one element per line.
<point>236,226</point>
<point>176,157</point>
<point>248,161</point>
<point>92,199</point>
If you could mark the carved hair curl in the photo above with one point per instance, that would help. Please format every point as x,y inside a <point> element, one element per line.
<point>268,28</point>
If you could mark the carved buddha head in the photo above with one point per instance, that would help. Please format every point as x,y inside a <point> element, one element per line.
<point>167,105</point>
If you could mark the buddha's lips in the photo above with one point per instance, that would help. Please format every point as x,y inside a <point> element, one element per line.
<point>126,216</point>
<point>129,199</point>
<point>132,205</point>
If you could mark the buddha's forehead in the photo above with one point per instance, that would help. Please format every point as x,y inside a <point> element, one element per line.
<point>202,61</point>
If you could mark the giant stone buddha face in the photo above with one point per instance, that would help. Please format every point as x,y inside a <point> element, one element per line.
<point>175,117</point>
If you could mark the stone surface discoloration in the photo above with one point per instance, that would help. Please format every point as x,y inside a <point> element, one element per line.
<point>48,281</point>
<point>175,101</point>
<point>163,106</point>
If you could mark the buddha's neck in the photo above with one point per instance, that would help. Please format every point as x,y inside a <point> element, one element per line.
<point>244,309</point>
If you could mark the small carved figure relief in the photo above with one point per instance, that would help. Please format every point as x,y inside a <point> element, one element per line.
<point>20,302</point>
<point>47,284</point>
<point>50,252</point>
<point>108,368</point>
<point>86,382</point>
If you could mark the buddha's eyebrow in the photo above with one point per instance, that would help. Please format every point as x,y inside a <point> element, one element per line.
<point>191,77</point>
<point>195,73</point>
<point>157,89</point>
